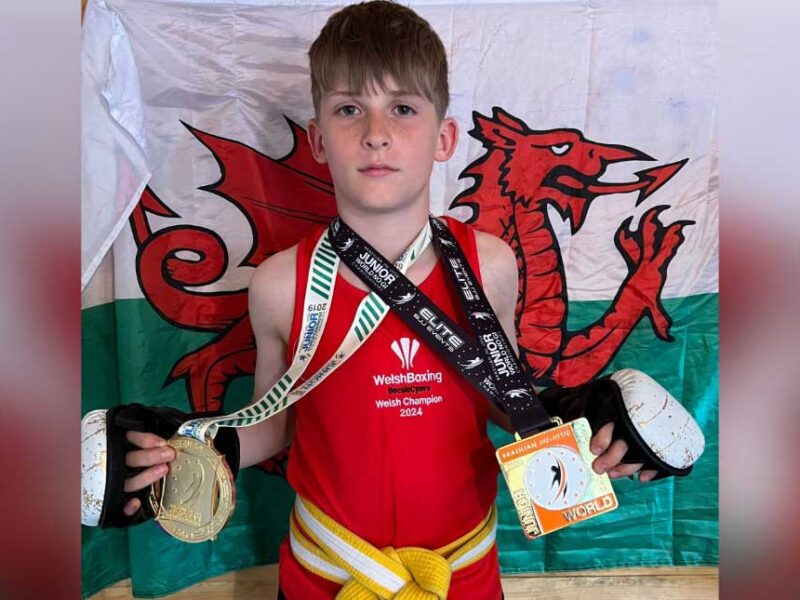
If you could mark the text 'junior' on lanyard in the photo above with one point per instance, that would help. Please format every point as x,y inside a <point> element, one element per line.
<point>486,360</point>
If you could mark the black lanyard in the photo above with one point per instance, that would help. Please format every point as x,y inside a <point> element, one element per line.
<point>490,364</point>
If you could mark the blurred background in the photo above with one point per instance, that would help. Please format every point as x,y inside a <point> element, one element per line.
<point>759,290</point>
<point>40,303</point>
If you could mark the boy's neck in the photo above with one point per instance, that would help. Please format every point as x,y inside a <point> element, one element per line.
<point>390,233</point>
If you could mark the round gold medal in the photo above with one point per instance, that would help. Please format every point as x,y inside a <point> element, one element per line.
<point>196,498</point>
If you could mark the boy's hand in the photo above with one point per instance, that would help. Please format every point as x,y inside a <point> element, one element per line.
<point>153,458</point>
<point>609,456</point>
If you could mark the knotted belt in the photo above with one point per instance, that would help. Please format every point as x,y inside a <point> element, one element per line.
<point>326,548</point>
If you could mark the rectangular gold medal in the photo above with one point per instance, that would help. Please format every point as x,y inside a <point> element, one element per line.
<point>551,479</point>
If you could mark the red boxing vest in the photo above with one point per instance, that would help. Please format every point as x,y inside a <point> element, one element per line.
<point>393,444</point>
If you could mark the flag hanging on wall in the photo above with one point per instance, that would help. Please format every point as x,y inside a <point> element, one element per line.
<point>588,126</point>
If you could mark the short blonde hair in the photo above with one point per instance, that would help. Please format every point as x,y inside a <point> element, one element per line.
<point>364,43</point>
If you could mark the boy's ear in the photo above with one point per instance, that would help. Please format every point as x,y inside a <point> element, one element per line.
<point>448,138</point>
<point>315,141</point>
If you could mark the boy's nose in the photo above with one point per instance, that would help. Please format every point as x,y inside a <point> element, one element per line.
<point>375,135</point>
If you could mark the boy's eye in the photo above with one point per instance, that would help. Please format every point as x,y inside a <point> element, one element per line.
<point>404,110</point>
<point>347,111</point>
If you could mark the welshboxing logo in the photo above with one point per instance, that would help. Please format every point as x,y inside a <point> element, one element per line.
<point>405,350</point>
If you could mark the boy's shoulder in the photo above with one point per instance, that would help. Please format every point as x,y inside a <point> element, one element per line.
<point>280,264</point>
<point>489,244</point>
<point>498,266</point>
<point>271,293</point>
<point>277,274</point>
<point>493,252</point>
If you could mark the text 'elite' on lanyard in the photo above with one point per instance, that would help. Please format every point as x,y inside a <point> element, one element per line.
<point>490,364</point>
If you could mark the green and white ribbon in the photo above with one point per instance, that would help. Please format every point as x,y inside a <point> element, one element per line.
<point>316,308</point>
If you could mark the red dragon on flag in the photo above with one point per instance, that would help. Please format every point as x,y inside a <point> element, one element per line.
<point>521,172</point>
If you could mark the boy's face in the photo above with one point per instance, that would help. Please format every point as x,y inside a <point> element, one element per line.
<point>380,145</point>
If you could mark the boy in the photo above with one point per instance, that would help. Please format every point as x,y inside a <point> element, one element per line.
<point>396,478</point>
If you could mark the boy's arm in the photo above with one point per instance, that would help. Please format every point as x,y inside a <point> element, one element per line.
<point>271,307</point>
<point>499,273</point>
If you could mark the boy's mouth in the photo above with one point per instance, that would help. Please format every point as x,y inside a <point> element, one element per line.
<point>377,170</point>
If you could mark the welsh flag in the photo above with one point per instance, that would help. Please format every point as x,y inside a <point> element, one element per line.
<point>587,143</point>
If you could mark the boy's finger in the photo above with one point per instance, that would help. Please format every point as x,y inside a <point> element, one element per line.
<point>145,478</point>
<point>624,470</point>
<point>647,475</point>
<point>145,440</point>
<point>611,457</point>
<point>131,507</point>
<point>149,457</point>
<point>602,439</point>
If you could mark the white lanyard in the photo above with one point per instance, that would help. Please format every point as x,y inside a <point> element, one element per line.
<point>316,308</point>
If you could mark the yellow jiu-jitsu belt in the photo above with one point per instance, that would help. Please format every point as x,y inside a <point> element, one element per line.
<point>366,573</point>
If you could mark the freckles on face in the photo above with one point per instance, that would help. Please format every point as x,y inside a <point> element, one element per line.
<point>380,145</point>
<point>377,127</point>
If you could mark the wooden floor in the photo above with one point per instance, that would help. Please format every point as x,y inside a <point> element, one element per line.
<point>667,583</point>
